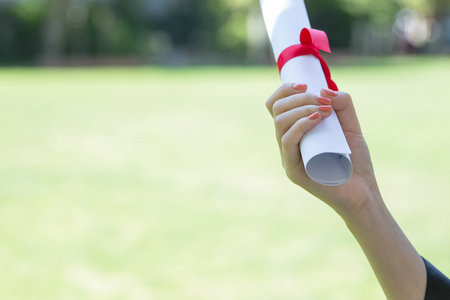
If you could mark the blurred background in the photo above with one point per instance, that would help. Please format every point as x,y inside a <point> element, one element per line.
<point>61,32</point>
<point>137,160</point>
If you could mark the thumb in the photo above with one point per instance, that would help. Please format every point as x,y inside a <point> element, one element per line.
<point>343,106</point>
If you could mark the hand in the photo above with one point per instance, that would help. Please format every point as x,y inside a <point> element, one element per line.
<point>295,112</point>
<point>400,270</point>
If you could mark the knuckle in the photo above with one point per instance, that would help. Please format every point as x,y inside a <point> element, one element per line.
<point>276,108</point>
<point>306,99</point>
<point>298,98</point>
<point>278,120</point>
<point>346,96</point>
<point>285,140</point>
<point>269,103</point>
<point>286,86</point>
<point>309,97</point>
<point>309,109</point>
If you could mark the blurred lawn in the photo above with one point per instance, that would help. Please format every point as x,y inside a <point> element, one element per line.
<point>147,183</point>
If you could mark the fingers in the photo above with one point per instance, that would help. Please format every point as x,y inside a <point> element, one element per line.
<point>290,140</point>
<point>284,91</point>
<point>286,120</point>
<point>345,111</point>
<point>290,103</point>
<point>284,104</point>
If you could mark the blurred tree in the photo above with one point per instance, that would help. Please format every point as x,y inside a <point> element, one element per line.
<point>334,20</point>
<point>55,29</point>
<point>20,26</point>
<point>381,11</point>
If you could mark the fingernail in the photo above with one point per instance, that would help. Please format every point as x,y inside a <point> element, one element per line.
<point>314,116</point>
<point>300,86</point>
<point>325,108</point>
<point>324,101</point>
<point>330,92</point>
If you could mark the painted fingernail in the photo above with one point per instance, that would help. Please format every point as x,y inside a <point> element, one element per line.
<point>325,108</point>
<point>300,86</point>
<point>324,101</point>
<point>314,116</point>
<point>330,92</point>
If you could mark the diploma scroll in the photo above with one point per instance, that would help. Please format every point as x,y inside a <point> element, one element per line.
<point>324,149</point>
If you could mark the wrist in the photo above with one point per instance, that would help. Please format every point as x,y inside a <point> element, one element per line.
<point>369,211</point>
<point>364,206</point>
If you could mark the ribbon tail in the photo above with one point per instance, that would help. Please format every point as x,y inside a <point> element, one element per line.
<point>326,71</point>
<point>332,85</point>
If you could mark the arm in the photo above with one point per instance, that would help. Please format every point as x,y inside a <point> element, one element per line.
<point>397,265</point>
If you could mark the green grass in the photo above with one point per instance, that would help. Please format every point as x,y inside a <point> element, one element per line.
<point>153,183</point>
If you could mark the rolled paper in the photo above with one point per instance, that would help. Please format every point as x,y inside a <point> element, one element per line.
<point>324,149</point>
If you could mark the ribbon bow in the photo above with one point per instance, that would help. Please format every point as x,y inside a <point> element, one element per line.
<point>311,41</point>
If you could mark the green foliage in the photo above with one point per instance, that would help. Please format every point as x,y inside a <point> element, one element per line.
<point>29,11</point>
<point>20,30</point>
<point>380,12</point>
<point>334,20</point>
<point>426,7</point>
<point>32,29</point>
<point>232,35</point>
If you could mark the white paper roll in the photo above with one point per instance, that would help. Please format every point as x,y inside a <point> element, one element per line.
<point>324,149</point>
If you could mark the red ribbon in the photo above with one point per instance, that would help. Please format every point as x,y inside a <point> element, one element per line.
<point>311,41</point>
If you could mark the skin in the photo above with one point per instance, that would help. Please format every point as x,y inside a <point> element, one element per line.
<point>398,267</point>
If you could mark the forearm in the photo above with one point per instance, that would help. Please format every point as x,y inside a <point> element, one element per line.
<point>397,265</point>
